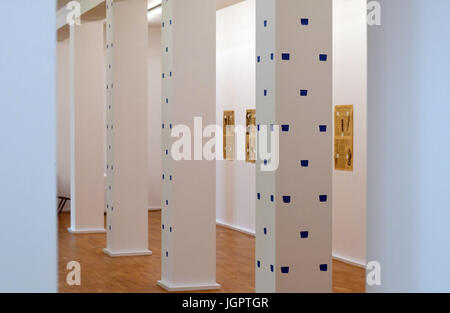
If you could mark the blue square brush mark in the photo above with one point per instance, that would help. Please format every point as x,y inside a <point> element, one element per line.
<point>323,198</point>
<point>323,57</point>
<point>287,199</point>
<point>285,56</point>
<point>304,21</point>
<point>323,267</point>
<point>304,234</point>
<point>304,163</point>
<point>303,92</point>
<point>285,269</point>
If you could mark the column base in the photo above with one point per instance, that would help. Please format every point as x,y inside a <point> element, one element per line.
<point>87,230</point>
<point>126,253</point>
<point>175,287</point>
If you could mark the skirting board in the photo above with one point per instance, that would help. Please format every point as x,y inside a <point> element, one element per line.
<point>126,253</point>
<point>241,230</point>
<point>171,287</point>
<point>348,261</point>
<point>87,231</point>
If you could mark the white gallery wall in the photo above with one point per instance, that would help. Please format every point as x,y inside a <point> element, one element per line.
<point>63,118</point>
<point>408,190</point>
<point>28,237</point>
<point>235,187</point>
<point>350,87</point>
<point>154,117</point>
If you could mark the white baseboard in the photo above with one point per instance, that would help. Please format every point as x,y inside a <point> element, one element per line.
<point>126,253</point>
<point>172,287</point>
<point>239,229</point>
<point>87,231</point>
<point>348,261</point>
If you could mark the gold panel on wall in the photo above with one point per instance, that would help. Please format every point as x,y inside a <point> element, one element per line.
<point>343,137</point>
<point>250,136</point>
<point>228,135</point>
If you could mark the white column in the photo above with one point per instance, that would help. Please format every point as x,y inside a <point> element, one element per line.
<point>188,203</point>
<point>28,239</point>
<point>87,128</point>
<point>408,191</point>
<point>126,143</point>
<point>294,98</point>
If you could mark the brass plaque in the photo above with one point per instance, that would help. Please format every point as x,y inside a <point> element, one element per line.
<point>343,137</point>
<point>250,136</point>
<point>228,135</point>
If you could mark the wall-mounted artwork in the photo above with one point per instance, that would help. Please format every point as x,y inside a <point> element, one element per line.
<point>343,137</point>
<point>228,135</point>
<point>250,136</point>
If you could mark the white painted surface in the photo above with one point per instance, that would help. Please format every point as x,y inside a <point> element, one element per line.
<point>63,119</point>
<point>350,87</point>
<point>154,119</point>
<point>189,199</point>
<point>408,191</point>
<point>87,128</point>
<point>279,223</point>
<point>28,261</point>
<point>127,182</point>
<point>235,188</point>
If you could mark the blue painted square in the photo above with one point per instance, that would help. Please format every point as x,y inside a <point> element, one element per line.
<point>323,128</point>
<point>285,56</point>
<point>258,59</point>
<point>271,267</point>
<point>323,198</point>
<point>170,177</point>
<point>265,162</point>
<point>170,229</point>
<point>272,56</point>
<point>258,263</point>
<point>167,202</point>
<point>167,152</point>
<point>163,176</point>
<point>163,126</point>
<point>167,100</point>
<point>265,231</point>
<point>162,226</point>
<point>304,163</point>
<point>265,92</point>
<point>323,57</point>
<point>258,196</point>
<point>265,23</point>
<point>304,234</point>
<point>163,75</point>
<point>287,199</point>
<point>167,49</point>
<point>285,128</point>
<point>304,93</point>
<point>257,127</point>
<point>304,21</point>
<point>323,267</point>
<point>167,254</point>
<point>272,198</point>
<point>285,269</point>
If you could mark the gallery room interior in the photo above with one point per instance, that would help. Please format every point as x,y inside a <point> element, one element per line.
<point>352,173</point>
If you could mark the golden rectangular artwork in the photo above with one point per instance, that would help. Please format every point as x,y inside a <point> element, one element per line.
<point>343,137</point>
<point>250,136</point>
<point>228,135</point>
